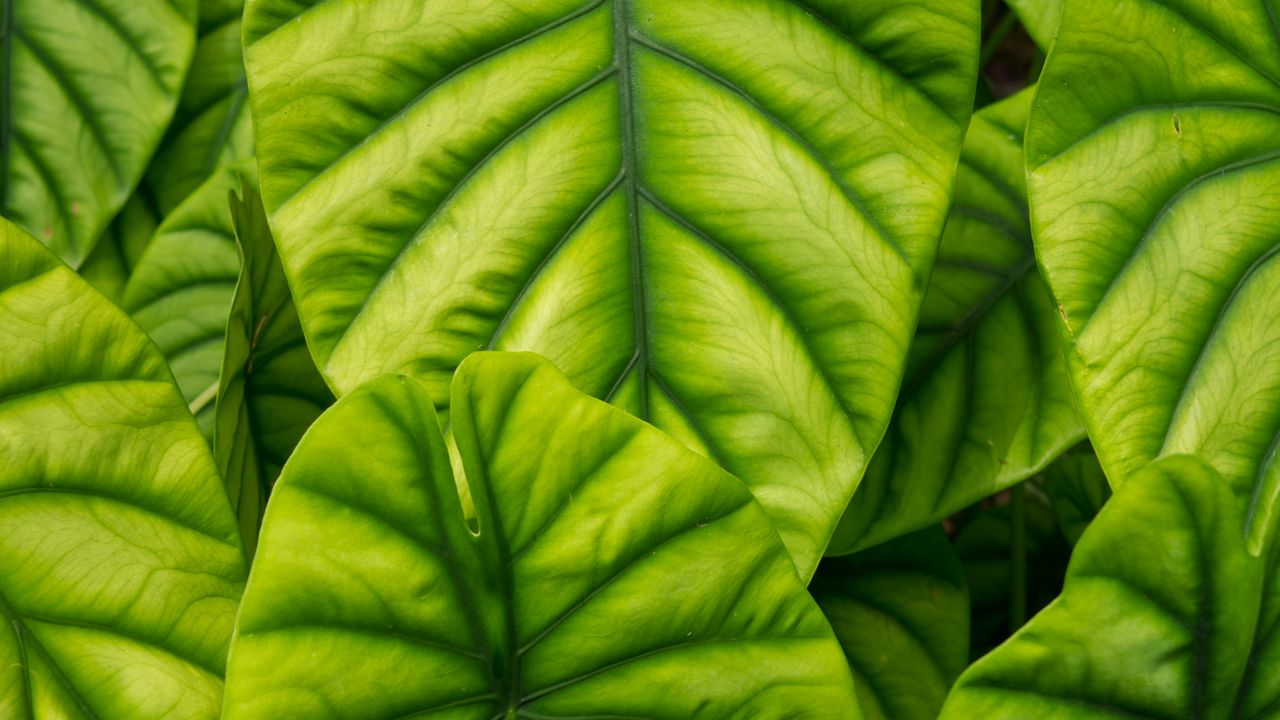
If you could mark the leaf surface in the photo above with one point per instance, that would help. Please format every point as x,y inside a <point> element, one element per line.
<point>717,215</point>
<point>120,564</point>
<point>1154,171</point>
<point>603,570</point>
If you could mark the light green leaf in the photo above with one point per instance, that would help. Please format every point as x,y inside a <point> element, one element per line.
<point>901,613</point>
<point>120,565</point>
<point>1154,170</point>
<point>1077,489</point>
<point>119,250</point>
<point>269,390</point>
<point>986,402</point>
<point>604,571</point>
<point>1157,619</point>
<point>212,127</point>
<point>181,290</point>
<point>1040,18</point>
<point>87,88</point>
<point>718,215</point>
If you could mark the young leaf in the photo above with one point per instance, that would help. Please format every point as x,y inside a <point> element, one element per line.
<point>719,215</point>
<point>986,402</point>
<point>120,564</point>
<point>603,571</point>
<point>181,290</point>
<point>1154,171</point>
<point>1157,619</point>
<point>269,391</point>
<point>211,128</point>
<point>86,90</point>
<point>901,613</point>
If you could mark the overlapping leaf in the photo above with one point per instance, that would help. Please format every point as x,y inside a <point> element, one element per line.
<point>1040,18</point>
<point>603,570</point>
<point>1077,489</point>
<point>1154,171</point>
<point>87,88</point>
<point>120,564</point>
<point>718,215</point>
<point>986,402</point>
<point>119,250</point>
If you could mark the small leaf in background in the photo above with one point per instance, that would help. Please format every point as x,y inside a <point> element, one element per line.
<point>986,402</point>
<point>719,215</point>
<point>1077,489</point>
<point>120,248</point>
<point>120,564</point>
<point>602,569</point>
<point>87,88</point>
<point>901,612</point>
<point>1040,18</point>
<point>1154,171</point>
<point>1158,618</point>
<point>269,391</point>
<point>181,290</point>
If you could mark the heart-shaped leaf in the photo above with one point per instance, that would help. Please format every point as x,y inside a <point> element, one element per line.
<point>1158,618</point>
<point>1154,171</point>
<point>602,570</point>
<point>87,88</point>
<point>986,402</point>
<point>901,613</point>
<point>120,564</point>
<point>719,215</point>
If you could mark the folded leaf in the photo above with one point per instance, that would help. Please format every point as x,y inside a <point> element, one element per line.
<point>269,391</point>
<point>120,564</point>
<point>87,88</point>
<point>603,570</point>
<point>718,215</point>
<point>1157,618</point>
<point>1154,173</point>
<point>901,613</point>
<point>986,402</point>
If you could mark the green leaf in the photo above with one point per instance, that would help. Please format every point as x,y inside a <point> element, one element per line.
<point>120,248</point>
<point>719,215</point>
<point>212,128</point>
<point>986,402</point>
<point>1077,490</point>
<point>1040,18</point>
<point>269,390</point>
<point>604,570</point>
<point>181,290</point>
<point>1157,619</point>
<point>1154,171</point>
<point>87,88</point>
<point>901,613</point>
<point>120,565</point>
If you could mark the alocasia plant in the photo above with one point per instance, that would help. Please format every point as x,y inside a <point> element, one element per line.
<point>120,563</point>
<point>718,215</point>
<point>600,569</point>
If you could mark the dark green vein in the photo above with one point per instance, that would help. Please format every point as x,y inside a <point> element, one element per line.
<point>60,204</point>
<point>6,100</point>
<point>1195,24</point>
<point>113,23</point>
<point>684,410</point>
<point>385,633</point>
<point>140,640</point>
<point>29,642</point>
<point>630,169</point>
<point>237,98</point>
<point>129,503</point>
<point>1102,706</point>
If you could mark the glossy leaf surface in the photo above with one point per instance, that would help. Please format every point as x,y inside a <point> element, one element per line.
<point>717,215</point>
<point>605,570</point>
<point>986,402</point>
<point>1157,618</point>
<point>901,613</point>
<point>181,290</point>
<point>120,565</point>
<point>269,390</point>
<point>87,88</point>
<point>1154,170</point>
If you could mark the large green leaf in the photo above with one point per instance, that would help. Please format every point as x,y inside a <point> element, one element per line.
<point>269,391</point>
<point>212,127</point>
<point>181,290</point>
<point>603,570</point>
<point>1154,170</point>
<point>120,564</point>
<point>1158,619</point>
<point>901,613</point>
<point>986,402</point>
<point>718,215</point>
<point>87,88</point>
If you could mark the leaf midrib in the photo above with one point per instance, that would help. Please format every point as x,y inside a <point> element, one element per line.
<point>6,102</point>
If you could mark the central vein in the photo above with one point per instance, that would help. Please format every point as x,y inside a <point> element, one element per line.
<point>6,87</point>
<point>631,181</point>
